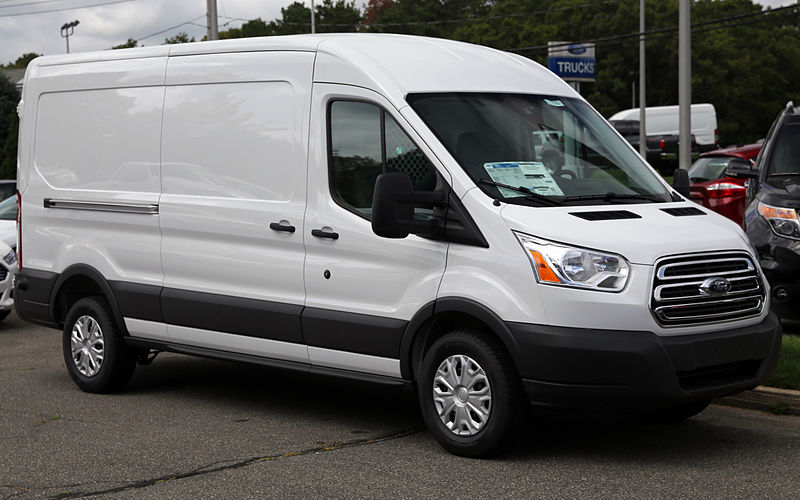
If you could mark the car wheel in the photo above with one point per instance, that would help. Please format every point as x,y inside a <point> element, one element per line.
<point>96,356</point>
<point>470,393</point>
<point>679,412</point>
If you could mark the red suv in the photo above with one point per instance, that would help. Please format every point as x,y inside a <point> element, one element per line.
<point>712,188</point>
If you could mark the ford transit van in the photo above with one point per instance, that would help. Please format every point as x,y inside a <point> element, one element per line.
<point>378,207</point>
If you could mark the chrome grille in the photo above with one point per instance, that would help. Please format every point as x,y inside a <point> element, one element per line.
<point>680,298</point>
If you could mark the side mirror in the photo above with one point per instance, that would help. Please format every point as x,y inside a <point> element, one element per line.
<point>742,169</point>
<point>393,203</point>
<point>391,210</point>
<point>680,181</point>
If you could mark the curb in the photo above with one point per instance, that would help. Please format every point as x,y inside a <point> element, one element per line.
<point>768,399</point>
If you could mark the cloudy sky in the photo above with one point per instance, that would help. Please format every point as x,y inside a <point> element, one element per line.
<point>34,25</point>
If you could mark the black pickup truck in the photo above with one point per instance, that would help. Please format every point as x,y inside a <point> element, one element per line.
<point>661,150</point>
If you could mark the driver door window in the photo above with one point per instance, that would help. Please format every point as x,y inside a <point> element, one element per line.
<point>364,143</point>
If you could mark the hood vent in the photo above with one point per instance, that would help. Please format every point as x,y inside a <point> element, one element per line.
<point>606,215</point>
<point>683,211</point>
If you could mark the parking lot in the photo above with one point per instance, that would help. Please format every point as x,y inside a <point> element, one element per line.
<point>195,427</point>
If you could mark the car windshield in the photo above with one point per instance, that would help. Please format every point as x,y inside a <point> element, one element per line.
<point>785,158</point>
<point>706,169</point>
<point>513,145</point>
<point>8,209</point>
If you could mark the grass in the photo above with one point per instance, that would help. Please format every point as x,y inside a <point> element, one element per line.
<point>787,376</point>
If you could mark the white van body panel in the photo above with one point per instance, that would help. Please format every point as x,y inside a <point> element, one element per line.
<point>663,120</point>
<point>82,152</point>
<point>233,151</point>
<point>396,65</point>
<point>362,280</point>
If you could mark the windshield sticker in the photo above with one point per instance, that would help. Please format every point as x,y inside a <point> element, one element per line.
<point>554,102</point>
<point>532,175</point>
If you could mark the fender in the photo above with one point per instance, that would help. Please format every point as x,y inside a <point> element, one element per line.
<point>455,305</point>
<point>94,275</point>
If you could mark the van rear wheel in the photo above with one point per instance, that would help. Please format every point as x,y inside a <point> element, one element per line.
<point>96,356</point>
<point>469,393</point>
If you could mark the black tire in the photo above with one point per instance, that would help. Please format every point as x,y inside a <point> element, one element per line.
<point>113,371</point>
<point>4,315</point>
<point>506,395</point>
<point>679,412</point>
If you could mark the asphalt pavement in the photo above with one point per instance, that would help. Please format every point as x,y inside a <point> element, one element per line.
<point>194,427</point>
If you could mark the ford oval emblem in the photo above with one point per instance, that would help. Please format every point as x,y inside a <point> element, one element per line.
<point>576,49</point>
<point>715,286</point>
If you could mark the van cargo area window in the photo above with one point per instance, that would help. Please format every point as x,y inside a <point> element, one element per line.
<point>364,141</point>
<point>552,146</point>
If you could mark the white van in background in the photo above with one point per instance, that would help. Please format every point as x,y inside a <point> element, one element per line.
<point>662,129</point>
<point>380,207</point>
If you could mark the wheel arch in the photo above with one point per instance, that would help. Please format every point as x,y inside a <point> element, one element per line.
<point>79,281</point>
<point>443,315</point>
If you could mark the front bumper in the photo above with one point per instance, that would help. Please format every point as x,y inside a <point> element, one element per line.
<point>638,370</point>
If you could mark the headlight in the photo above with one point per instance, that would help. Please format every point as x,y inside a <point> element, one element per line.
<point>783,221</point>
<point>556,264</point>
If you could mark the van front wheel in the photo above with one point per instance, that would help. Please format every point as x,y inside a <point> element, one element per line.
<point>470,393</point>
<point>96,356</point>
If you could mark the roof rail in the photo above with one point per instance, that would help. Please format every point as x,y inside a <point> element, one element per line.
<point>790,107</point>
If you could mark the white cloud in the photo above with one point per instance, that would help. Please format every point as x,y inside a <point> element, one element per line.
<point>103,26</point>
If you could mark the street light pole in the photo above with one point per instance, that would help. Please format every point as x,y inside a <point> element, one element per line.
<point>684,84</point>
<point>642,100</point>
<point>211,18</point>
<point>313,24</point>
<point>67,29</point>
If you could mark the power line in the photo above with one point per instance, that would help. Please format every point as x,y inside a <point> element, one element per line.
<point>26,4</point>
<point>669,30</point>
<point>190,21</point>
<point>110,2</point>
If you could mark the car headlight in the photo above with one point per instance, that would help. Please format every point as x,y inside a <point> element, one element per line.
<point>782,221</point>
<point>556,264</point>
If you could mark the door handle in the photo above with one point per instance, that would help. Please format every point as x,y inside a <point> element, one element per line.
<point>282,226</point>
<point>325,233</point>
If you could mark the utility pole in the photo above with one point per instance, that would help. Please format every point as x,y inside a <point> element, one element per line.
<point>67,29</point>
<point>211,20</point>
<point>313,24</point>
<point>684,84</point>
<point>642,100</point>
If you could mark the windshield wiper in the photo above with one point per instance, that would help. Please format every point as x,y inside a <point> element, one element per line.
<point>613,196</point>
<point>529,195</point>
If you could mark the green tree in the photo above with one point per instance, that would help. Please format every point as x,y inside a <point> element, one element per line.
<point>9,126</point>
<point>23,61</point>
<point>181,37</point>
<point>131,43</point>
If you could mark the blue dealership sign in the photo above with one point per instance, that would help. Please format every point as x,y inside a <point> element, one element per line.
<point>572,61</point>
<point>573,68</point>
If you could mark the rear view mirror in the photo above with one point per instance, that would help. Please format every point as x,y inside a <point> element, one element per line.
<point>391,207</point>
<point>680,181</point>
<point>740,168</point>
<point>393,203</point>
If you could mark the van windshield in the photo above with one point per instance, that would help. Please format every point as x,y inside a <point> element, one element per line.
<point>521,148</point>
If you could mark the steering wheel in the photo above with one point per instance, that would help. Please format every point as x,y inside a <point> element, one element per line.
<point>562,172</point>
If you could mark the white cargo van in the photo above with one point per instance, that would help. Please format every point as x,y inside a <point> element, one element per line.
<point>376,207</point>
<point>663,120</point>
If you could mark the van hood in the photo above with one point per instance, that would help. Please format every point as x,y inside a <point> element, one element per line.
<point>641,233</point>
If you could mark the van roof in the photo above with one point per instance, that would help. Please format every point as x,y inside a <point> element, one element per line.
<point>395,64</point>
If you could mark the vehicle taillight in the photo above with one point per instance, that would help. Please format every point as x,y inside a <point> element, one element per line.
<point>19,231</point>
<point>661,144</point>
<point>716,137</point>
<point>724,189</point>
